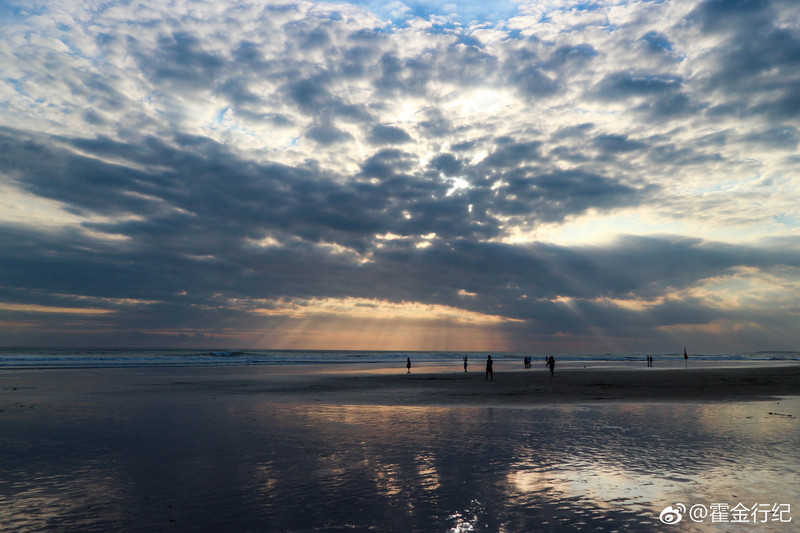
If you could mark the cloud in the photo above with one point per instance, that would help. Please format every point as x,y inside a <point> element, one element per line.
<point>382,134</point>
<point>622,85</point>
<point>183,169</point>
<point>747,69</point>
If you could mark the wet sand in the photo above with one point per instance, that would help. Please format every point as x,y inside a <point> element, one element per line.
<point>521,388</point>
<point>247,448</point>
<point>433,386</point>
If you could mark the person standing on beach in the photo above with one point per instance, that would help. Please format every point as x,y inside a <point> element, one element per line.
<point>465,363</point>
<point>489,370</point>
<point>551,362</point>
<point>408,364</point>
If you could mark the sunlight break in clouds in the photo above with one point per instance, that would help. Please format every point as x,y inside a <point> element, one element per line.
<point>453,159</point>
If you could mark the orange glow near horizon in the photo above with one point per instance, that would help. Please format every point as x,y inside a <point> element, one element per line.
<point>365,324</point>
<point>380,334</point>
<point>33,308</point>
<point>366,308</point>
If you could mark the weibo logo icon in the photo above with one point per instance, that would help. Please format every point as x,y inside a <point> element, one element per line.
<point>672,515</point>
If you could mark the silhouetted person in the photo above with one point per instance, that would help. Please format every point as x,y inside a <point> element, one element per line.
<point>408,364</point>
<point>551,362</point>
<point>465,363</point>
<point>489,371</point>
<point>685,358</point>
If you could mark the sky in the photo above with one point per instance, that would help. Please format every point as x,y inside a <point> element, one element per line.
<point>543,175</point>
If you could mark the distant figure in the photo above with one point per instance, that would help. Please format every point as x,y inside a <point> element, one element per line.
<point>408,364</point>
<point>685,358</point>
<point>465,363</point>
<point>489,371</point>
<point>551,362</point>
<point>525,362</point>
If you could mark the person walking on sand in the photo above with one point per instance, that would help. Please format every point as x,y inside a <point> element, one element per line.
<point>465,363</point>
<point>408,364</point>
<point>551,362</point>
<point>489,371</point>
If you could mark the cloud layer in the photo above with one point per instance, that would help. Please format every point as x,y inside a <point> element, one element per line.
<point>548,175</point>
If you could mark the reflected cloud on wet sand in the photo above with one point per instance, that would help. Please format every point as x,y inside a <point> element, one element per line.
<point>250,465</point>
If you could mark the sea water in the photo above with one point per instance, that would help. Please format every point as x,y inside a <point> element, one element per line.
<point>99,357</point>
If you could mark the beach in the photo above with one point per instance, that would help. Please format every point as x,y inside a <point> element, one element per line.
<point>364,448</point>
<point>520,388</point>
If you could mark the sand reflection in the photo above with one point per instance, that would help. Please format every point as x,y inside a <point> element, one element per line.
<point>500,469</point>
<point>242,464</point>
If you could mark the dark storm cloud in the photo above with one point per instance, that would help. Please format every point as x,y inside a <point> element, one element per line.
<point>657,42</point>
<point>617,144</point>
<point>192,259</point>
<point>731,15</point>
<point>382,134</point>
<point>327,133</point>
<point>189,222</point>
<point>785,137</point>
<point>568,57</point>
<point>182,60</point>
<point>759,57</point>
<point>447,164</point>
<point>205,187</point>
<point>510,153</point>
<point>662,97</point>
<point>404,76</point>
<point>533,82</point>
<point>434,123</point>
<point>309,94</point>
<point>386,163</point>
<point>521,282</point>
<point>622,85</point>
<point>670,154</point>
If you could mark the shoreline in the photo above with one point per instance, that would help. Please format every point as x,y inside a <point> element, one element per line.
<point>538,389</point>
<point>424,386</point>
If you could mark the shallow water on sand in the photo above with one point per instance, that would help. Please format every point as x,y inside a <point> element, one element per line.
<point>197,464</point>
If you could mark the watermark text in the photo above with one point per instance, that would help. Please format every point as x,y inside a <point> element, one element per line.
<point>718,513</point>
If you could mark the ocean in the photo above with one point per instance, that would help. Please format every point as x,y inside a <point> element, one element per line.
<point>119,357</point>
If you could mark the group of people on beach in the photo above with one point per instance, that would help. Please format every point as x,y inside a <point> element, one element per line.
<point>549,361</point>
